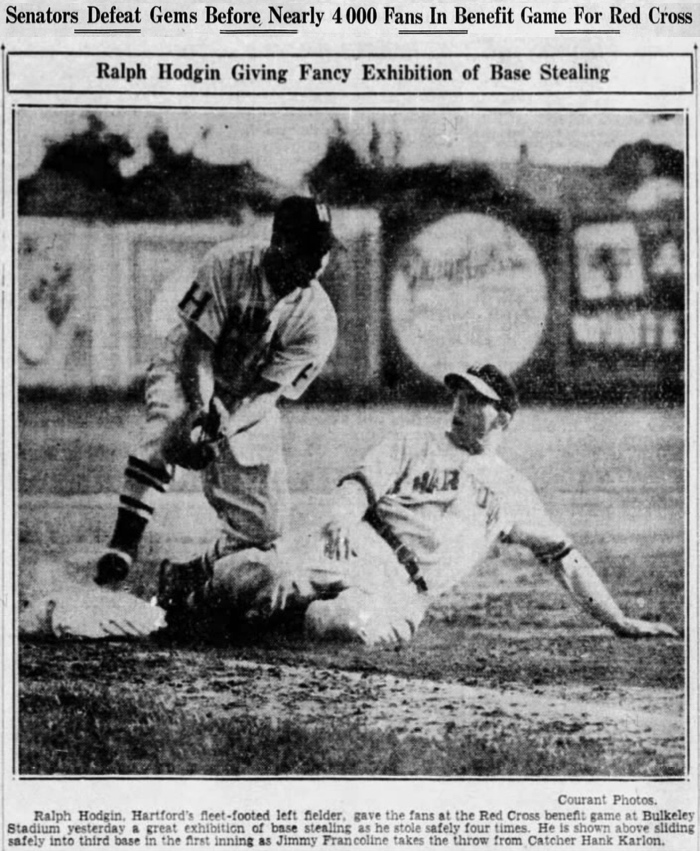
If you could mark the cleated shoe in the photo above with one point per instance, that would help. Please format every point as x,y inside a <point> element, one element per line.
<point>112,568</point>
<point>170,594</point>
<point>180,587</point>
<point>177,581</point>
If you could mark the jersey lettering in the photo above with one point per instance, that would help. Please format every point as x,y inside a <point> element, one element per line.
<point>397,484</point>
<point>486,499</point>
<point>199,304</point>
<point>436,480</point>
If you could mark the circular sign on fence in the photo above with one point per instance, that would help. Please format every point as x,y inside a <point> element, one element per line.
<point>468,289</point>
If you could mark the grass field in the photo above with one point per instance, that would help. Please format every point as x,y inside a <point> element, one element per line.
<point>506,677</point>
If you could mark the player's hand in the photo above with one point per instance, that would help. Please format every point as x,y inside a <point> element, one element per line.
<point>209,425</point>
<point>183,444</point>
<point>337,541</point>
<point>195,456</point>
<point>201,445</point>
<point>637,628</point>
<point>288,591</point>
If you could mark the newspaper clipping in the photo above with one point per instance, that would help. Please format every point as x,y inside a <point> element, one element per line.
<point>349,425</point>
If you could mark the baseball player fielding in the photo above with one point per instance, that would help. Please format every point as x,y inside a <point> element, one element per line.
<point>254,327</point>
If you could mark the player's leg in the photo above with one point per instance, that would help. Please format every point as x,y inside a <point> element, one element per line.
<point>360,615</point>
<point>245,588</point>
<point>248,490</point>
<point>249,587</point>
<point>381,604</point>
<point>149,469</point>
<point>368,599</point>
<point>247,487</point>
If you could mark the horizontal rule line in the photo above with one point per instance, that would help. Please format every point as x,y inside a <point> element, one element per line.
<point>258,32</point>
<point>300,93</point>
<point>103,32</point>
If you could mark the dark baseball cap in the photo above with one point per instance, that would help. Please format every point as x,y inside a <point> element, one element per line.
<point>488,381</point>
<point>304,223</point>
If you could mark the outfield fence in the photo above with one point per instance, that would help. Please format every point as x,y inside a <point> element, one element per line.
<point>578,302</point>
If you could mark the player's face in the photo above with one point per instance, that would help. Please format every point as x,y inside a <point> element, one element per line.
<point>475,421</point>
<point>287,269</point>
<point>311,264</point>
<point>322,263</point>
<point>304,267</point>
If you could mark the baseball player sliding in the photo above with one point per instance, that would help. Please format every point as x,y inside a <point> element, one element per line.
<point>255,326</point>
<point>416,516</point>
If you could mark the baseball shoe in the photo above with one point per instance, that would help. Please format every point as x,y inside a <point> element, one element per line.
<point>112,568</point>
<point>178,581</point>
<point>180,588</point>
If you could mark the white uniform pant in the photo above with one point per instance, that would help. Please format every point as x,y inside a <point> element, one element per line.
<point>368,598</point>
<point>246,484</point>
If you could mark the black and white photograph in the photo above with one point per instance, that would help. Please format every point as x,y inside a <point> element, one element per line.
<point>352,442</point>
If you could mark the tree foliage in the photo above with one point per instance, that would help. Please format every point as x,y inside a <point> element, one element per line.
<point>81,177</point>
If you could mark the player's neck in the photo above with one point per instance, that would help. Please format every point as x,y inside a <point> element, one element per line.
<point>473,447</point>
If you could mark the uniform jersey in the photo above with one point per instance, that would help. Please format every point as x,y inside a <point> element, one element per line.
<point>449,507</point>
<point>255,333</point>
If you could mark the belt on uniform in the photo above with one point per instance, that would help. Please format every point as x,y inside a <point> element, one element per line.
<point>404,554</point>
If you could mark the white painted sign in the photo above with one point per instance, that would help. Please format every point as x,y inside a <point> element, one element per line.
<point>468,289</point>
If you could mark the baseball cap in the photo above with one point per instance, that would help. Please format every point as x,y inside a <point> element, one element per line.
<point>305,223</point>
<point>490,382</point>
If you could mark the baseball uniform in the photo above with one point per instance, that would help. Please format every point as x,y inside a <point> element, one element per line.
<point>432,505</point>
<point>444,505</point>
<point>253,334</point>
<point>254,327</point>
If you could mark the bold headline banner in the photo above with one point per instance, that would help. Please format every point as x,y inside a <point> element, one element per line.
<point>313,74</point>
<point>532,19</point>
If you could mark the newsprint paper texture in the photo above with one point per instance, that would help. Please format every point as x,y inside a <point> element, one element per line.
<point>510,184</point>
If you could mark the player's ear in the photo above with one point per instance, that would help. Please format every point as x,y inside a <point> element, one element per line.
<point>504,419</point>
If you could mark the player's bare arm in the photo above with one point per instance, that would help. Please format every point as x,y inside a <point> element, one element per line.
<point>578,577</point>
<point>581,581</point>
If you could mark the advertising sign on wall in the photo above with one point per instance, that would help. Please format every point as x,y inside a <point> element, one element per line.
<point>466,287</point>
<point>618,308</point>
<point>54,306</point>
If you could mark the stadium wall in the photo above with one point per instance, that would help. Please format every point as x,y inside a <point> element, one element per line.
<point>570,303</point>
<point>93,300</point>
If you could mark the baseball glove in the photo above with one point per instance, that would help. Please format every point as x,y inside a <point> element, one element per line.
<point>195,443</point>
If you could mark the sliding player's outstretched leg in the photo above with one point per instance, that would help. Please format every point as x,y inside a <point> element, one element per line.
<point>210,597</point>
